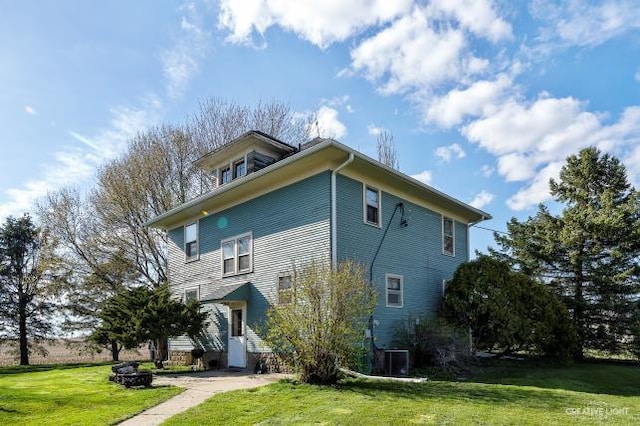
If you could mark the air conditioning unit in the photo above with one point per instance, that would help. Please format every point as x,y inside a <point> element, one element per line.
<point>396,362</point>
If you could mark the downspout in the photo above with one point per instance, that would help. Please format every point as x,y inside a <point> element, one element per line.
<point>334,228</point>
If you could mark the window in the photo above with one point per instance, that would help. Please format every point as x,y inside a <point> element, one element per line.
<point>239,169</point>
<point>237,254</point>
<point>285,289</point>
<point>236,323</point>
<point>371,206</point>
<point>225,175</point>
<point>448,237</point>
<point>233,170</point>
<point>394,291</point>
<point>191,241</point>
<point>191,294</point>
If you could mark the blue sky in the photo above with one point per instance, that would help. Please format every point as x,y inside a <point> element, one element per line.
<point>485,99</point>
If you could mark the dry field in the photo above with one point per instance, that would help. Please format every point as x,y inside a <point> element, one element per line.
<point>60,353</point>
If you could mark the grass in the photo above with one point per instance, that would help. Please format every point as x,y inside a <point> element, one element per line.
<point>499,394</point>
<point>70,395</point>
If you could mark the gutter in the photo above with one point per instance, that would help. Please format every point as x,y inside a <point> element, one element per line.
<point>334,228</point>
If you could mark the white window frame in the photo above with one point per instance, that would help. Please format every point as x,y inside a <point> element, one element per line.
<point>231,166</point>
<point>187,258</point>
<point>236,255</point>
<point>366,187</point>
<point>453,237</point>
<point>279,291</point>
<point>190,289</point>
<point>386,290</point>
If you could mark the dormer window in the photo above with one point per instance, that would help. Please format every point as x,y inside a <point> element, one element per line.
<point>225,175</point>
<point>234,170</point>
<point>239,168</point>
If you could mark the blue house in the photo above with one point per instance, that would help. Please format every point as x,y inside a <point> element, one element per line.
<point>275,206</point>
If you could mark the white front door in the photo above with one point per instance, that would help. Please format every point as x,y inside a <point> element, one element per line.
<point>237,338</point>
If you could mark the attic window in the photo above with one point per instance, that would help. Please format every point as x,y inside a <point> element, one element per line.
<point>239,169</point>
<point>225,175</point>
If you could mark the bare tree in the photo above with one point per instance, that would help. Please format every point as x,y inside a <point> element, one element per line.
<point>156,173</point>
<point>219,121</point>
<point>95,268</point>
<point>387,150</point>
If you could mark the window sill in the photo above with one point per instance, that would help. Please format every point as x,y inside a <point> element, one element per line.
<point>395,306</point>
<point>192,259</point>
<point>235,274</point>
<point>375,225</point>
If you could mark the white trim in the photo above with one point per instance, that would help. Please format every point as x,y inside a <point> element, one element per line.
<point>282,275</point>
<point>453,235</point>
<point>386,290</point>
<point>365,187</point>
<point>230,164</point>
<point>184,244</point>
<point>243,308</point>
<point>236,255</point>
<point>188,289</point>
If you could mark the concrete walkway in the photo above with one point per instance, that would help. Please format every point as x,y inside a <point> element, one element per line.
<point>200,386</point>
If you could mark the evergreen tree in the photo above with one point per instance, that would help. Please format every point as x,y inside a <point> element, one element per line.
<point>141,314</point>
<point>25,308</point>
<point>507,311</point>
<point>589,252</point>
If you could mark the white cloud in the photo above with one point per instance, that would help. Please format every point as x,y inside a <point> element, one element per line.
<point>77,164</point>
<point>477,99</point>
<point>424,177</point>
<point>321,23</point>
<point>337,102</point>
<point>329,125</point>
<point>30,110</point>
<point>477,16</point>
<point>396,55</point>
<point>538,191</point>
<point>487,170</point>
<point>579,23</point>
<point>530,139</point>
<point>181,62</point>
<point>374,130</point>
<point>637,75</point>
<point>481,199</point>
<point>446,153</point>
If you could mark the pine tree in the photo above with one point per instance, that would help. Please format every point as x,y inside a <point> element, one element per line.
<point>25,307</point>
<point>589,252</point>
<point>141,314</point>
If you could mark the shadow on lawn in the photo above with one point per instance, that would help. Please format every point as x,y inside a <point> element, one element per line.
<point>457,392</point>
<point>591,377</point>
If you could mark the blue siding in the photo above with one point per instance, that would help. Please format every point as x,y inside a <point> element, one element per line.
<point>414,252</point>
<point>289,226</point>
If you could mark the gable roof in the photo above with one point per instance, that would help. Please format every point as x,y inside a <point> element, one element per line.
<point>333,151</point>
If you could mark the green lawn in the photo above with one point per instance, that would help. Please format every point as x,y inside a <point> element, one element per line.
<point>70,395</point>
<point>580,394</point>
